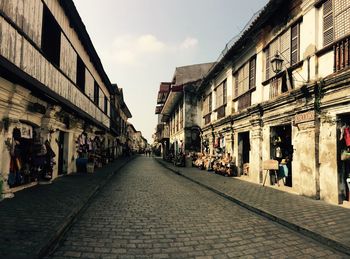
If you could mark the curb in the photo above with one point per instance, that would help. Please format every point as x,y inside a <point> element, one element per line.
<point>304,231</point>
<point>54,241</point>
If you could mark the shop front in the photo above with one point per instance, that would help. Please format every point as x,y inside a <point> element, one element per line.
<point>92,150</point>
<point>243,153</point>
<point>281,149</point>
<point>31,156</point>
<point>343,154</point>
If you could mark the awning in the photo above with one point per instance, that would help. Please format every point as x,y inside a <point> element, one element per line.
<point>173,98</point>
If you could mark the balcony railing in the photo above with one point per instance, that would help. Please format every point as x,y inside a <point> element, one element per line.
<point>221,112</point>
<point>163,131</point>
<point>244,101</point>
<point>207,119</point>
<point>19,51</point>
<point>342,54</point>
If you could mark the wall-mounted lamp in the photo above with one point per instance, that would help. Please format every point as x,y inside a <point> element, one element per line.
<point>276,63</point>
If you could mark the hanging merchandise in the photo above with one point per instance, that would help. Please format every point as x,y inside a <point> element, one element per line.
<point>16,133</point>
<point>217,143</point>
<point>347,135</point>
<point>278,152</point>
<point>222,142</point>
<point>345,155</point>
<point>49,161</point>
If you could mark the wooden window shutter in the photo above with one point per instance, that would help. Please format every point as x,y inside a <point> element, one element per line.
<point>252,73</point>
<point>328,31</point>
<point>341,18</point>
<point>224,94</point>
<point>267,63</point>
<point>210,103</point>
<point>236,84</point>
<point>285,47</point>
<point>295,44</point>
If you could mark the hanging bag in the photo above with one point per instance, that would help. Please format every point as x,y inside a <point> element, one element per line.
<point>345,155</point>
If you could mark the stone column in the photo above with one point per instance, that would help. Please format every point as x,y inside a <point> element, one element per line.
<point>304,169</point>
<point>14,102</point>
<point>329,170</point>
<point>255,164</point>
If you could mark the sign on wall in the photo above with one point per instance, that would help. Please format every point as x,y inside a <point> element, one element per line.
<point>304,117</point>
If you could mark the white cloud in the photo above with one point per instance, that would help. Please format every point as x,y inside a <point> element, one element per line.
<point>135,50</point>
<point>149,43</point>
<point>189,43</point>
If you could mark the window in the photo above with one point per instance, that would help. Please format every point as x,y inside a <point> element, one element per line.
<point>207,105</point>
<point>252,73</point>
<point>96,94</point>
<point>341,19</point>
<point>242,80</point>
<point>105,105</point>
<point>287,46</point>
<point>80,74</point>
<point>278,86</point>
<point>181,116</point>
<point>210,102</point>
<point>336,20</point>
<point>207,119</point>
<point>245,78</point>
<point>224,95</point>
<point>336,27</point>
<point>221,95</point>
<point>267,63</point>
<point>51,37</point>
<point>244,101</point>
<point>295,44</point>
<point>221,112</point>
<point>177,120</point>
<point>274,88</point>
<point>327,23</point>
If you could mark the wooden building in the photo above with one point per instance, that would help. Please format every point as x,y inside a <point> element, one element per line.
<point>54,93</point>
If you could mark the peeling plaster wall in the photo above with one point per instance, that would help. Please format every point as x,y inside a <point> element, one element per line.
<point>190,111</point>
<point>304,164</point>
<point>17,110</point>
<point>328,162</point>
<point>325,65</point>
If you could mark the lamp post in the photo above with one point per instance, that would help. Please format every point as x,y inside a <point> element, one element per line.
<point>276,63</point>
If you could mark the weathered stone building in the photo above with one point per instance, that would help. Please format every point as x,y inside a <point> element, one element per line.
<point>258,111</point>
<point>179,129</point>
<point>55,97</point>
<point>136,142</point>
<point>120,114</point>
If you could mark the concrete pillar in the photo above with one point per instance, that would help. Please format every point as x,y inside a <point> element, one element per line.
<point>304,170</point>
<point>255,164</point>
<point>329,177</point>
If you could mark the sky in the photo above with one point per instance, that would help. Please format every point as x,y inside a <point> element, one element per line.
<point>141,42</point>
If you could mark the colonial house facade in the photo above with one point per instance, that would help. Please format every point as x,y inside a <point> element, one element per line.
<point>55,97</point>
<point>136,142</point>
<point>281,92</point>
<point>162,134</point>
<point>120,114</point>
<point>179,128</point>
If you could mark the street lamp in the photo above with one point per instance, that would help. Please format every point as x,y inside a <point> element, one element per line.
<point>276,63</point>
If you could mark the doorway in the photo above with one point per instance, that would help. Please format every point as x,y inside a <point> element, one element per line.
<point>243,152</point>
<point>281,149</point>
<point>62,153</point>
<point>343,159</point>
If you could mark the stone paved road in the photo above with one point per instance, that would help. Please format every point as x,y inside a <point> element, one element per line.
<point>148,212</point>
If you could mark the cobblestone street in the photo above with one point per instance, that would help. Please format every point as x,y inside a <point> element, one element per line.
<point>148,212</point>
